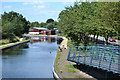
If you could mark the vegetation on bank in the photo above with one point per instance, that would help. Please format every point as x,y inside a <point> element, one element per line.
<point>71,68</point>
<point>57,60</point>
<point>10,44</point>
<point>13,26</point>
<point>96,18</point>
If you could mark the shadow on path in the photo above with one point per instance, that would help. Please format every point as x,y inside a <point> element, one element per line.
<point>97,73</point>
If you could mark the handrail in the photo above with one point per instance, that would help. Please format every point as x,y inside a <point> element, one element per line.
<point>104,57</point>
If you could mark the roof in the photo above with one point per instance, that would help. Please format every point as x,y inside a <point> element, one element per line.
<point>40,28</point>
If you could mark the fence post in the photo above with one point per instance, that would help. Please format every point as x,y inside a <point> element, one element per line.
<point>85,55</point>
<point>97,52</point>
<point>100,59</point>
<point>69,53</point>
<point>79,55</point>
<point>91,57</point>
<point>104,57</point>
<point>110,61</point>
<point>74,54</point>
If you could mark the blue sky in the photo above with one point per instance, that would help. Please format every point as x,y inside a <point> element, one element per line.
<point>36,10</point>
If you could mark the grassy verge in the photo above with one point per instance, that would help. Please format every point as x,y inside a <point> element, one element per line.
<point>65,68</point>
<point>57,60</point>
<point>71,68</point>
<point>10,44</point>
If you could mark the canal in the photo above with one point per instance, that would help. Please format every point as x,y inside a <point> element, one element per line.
<point>31,60</point>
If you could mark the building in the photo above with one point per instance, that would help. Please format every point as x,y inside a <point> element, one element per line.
<point>43,31</point>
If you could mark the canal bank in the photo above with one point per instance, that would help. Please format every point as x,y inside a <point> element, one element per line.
<point>64,69</point>
<point>3,47</point>
<point>62,46</point>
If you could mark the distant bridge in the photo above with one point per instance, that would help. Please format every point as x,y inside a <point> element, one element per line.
<point>27,35</point>
<point>99,56</point>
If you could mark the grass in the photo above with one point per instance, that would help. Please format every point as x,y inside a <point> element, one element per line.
<point>57,60</point>
<point>68,69</point>
<point>10,44</point>
<point>71,68</point>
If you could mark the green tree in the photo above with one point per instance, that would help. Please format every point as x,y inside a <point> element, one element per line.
<point>35,24</point>
<point>42,24</point>
<point>49,20</point>
<point>83,19</point>
<point>13,24</point>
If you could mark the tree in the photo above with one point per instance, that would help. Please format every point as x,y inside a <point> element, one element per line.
<point>13,24</point>
<point>49,21</point>
<point>42,24</point>
<point>83,19</point>
<point>35,24</point>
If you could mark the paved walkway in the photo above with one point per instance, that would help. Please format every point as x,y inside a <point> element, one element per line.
<point>69,72</point>
<point>64,66</point>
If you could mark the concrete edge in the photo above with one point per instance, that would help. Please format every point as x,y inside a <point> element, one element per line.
<point>56,75</point>
<point>15,45</point>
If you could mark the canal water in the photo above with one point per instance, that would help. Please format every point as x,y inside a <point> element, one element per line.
<point>32,60</point>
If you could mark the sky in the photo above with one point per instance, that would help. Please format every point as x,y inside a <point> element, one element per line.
<point>39,10</point>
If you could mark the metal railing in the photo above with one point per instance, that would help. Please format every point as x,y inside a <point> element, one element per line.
<point>100,56</point>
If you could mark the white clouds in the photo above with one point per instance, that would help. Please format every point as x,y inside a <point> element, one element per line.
<point>39,6</point>
<point>38,0</point>
<point>54,11</point>
<point>7,7</point>
<point>33,3</point>
<point>66,2</point>
<point>36,4</point>
<point>58,0</point>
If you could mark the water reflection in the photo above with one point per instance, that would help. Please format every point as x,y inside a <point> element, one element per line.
<point>43,39</point>
<point>15,50</point>
<point>30,60</point>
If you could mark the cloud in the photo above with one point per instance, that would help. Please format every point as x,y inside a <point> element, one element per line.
<point>7,7</point>
<point>59,0</point>
<point>33,3</point>
<point>36,0</point>
<point>68,3</point>
<point>39,6</point>
<point>55,11</point>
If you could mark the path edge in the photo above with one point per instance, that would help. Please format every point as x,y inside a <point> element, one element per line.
<point>7,47</point>
<point>56,75</point>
